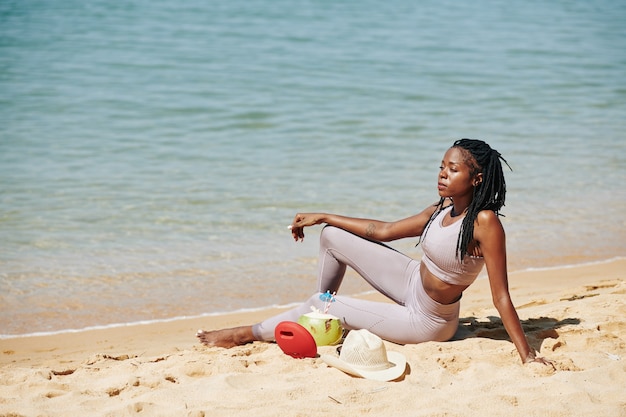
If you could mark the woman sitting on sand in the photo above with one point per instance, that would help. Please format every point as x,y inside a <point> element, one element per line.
<point>459,234</point>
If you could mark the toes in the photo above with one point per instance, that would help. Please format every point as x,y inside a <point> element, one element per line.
<point>202,335</point>
<point>206,342</point>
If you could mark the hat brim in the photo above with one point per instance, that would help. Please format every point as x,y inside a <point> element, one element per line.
<point>394,372</point>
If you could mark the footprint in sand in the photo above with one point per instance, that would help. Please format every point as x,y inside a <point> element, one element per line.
<point>56,393</point>
<point>454,363</point>
<point>608,284</point>
<point>596,287</point>
<point>144,407</point>
<point>616,327</point>
<point>246,381</point>
<point>198,369</point>
<point>533,303</point>
<point>114,392</point>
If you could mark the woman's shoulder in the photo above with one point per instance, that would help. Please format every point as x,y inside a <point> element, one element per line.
<point>489,233</point>
<point>487,219</point>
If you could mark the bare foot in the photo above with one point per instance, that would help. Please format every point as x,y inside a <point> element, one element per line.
<point>226,338</point>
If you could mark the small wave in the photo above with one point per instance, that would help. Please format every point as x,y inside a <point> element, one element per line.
<point>156,321</point>
<point>144,322</point>
<point>569,266</point>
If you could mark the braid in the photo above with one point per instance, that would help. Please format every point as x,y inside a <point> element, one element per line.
<point>488,194</point>
<point>439,207</point>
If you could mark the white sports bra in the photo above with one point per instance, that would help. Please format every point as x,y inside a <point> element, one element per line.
<point>440,255</point>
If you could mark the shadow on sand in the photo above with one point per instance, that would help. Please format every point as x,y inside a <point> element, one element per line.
<point>536,329</point>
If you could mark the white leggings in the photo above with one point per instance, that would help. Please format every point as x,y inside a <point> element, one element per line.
<point>414,318</point>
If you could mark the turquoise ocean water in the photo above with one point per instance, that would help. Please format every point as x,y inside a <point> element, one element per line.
<point>152,153</point>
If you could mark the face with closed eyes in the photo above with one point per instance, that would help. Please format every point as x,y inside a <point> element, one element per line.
<point>456,174</point>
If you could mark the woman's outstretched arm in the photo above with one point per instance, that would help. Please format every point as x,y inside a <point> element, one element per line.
<point>367,228</point>
<point>489,234</point>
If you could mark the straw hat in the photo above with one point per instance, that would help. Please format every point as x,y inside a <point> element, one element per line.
<point>363,354</point>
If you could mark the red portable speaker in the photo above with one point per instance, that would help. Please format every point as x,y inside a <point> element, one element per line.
<point>295,340</point>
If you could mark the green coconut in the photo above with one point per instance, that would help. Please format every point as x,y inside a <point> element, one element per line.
<point>325,328</point>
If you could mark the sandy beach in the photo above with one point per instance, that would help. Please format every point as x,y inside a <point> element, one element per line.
<point>574,316</point>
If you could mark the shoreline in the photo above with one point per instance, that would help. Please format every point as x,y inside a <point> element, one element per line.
<point>248,316</point>
<point>261,309</point>
<point>573,316</point>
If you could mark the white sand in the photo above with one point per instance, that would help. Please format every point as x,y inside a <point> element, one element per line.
<point>574,316</point>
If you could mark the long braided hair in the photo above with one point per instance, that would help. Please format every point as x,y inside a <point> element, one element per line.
<point>489,194</point>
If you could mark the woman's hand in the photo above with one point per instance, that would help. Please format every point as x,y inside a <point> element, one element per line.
<point>532,358</point>
<point>302,220</point>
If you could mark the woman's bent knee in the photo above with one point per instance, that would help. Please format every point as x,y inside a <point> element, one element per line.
<point>331,234</point>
